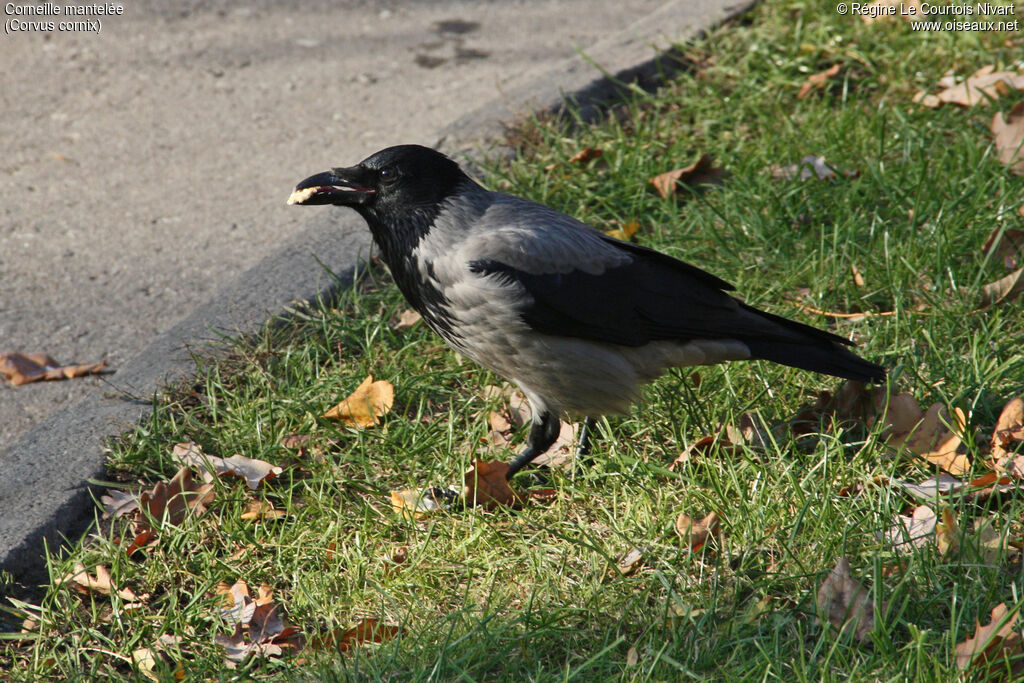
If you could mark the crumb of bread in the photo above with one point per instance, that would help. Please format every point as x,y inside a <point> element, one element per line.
<point>300,196</point>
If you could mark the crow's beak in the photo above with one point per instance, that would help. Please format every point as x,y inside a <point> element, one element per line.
<point>339,186</point>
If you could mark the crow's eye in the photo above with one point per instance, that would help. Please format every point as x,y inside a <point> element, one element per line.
<point>387,175</point>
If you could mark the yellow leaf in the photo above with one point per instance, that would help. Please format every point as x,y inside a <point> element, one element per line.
<point>626,232</point>
<point>368,402</point>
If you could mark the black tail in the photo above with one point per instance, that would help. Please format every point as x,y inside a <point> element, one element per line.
<point>809,348</point>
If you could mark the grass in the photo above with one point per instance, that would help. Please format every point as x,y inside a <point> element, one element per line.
<point>533,594</point>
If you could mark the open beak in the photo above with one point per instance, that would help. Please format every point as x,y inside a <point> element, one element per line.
<point>339,186</point>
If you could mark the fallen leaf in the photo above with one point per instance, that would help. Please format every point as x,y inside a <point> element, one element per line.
<point>119,503</point>
<point>499,422</point>
<point>817,81</point>
<point>1002,290</point>
<point>703,446</point>
<point>79,579</point>
<point>146,659</point>
<point>993,547</point>
<point>171,501</point>
<point>1006,245</point>
<point>562,453</point>
<point>701,172</point>
<point>252,470</point>
<point>845,604</point>
<point>1008,437</point>
<point>632,656</point>
<point>899,414</point>
<point>937,439</point>
<point>630,562</point>
<point>984,84</point>
<point>751,431</point>
<point>295,440</point>
<point>261,509</point>
<point>22,368</point>
<point>486,484</point>
<point>626,232</point>
<point>370,401</point>
<point>914,531</point>
<point>810,166</point>
<point>368,630</point>
<point>407,319</point>
<point>947,534</point>
<point>260,628</point>
<point>586,154</point>
<point>992,644</point>
<point>696,533</point>
<point>858,278</point>
<point>1008,133</point>
<point>416,504</point>
<point>933,488</point>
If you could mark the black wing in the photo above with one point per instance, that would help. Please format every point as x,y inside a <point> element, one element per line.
<point>655,297</point>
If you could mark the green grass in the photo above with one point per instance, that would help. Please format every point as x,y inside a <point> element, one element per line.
<point>533,594</point>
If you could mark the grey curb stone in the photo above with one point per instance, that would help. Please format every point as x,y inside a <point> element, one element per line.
<point>44,491</point>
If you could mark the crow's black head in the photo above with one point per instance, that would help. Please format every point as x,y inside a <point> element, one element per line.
<point>390,187</point>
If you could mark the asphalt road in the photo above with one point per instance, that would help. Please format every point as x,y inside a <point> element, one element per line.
<point>146,165</point>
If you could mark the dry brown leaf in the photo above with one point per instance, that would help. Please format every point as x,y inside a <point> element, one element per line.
<point>370,401</point>
<point>858,278</point>
<point>817,81</point>
<point>993,546</point>
<point>80,580</point>
<point>171,501</point>
<point>937,439</point>
<point>914,531</point>
<point>22,368</point>
<point>751,431</point>
<point>947,534</point>
<point>1006,246</point>
<point>486,484</point>
<point>1004,289</point>
<point>845,604</point>
<point>1008,133</point>
<point>630,562</point>
<point>260,628</point>
<point>586,154</point>
<point>295,440</point>
<point>499,422</point>
<point>119,503</point>
<point>261,509</point>
<point>146,659</point>
<point>1007,438</point>
<point>900,414</point>
<point>416,504</point>
<point>696,533</point>
<point>984,84</point>
<point>702,446</point>
<point>984,652</point>
<point>701,172</point>
<point>626,232</point>
<point>562,452</point>
<point>252,470</point>
<point>810,166</point>
<point>407,319</point>
<point>368,630</point>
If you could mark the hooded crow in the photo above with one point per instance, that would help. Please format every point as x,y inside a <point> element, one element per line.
<point>578,320</point>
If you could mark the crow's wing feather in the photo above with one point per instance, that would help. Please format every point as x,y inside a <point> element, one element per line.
<point>582,283</point>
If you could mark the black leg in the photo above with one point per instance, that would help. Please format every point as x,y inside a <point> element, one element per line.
<point>583,443</point>
<point>543,432</point>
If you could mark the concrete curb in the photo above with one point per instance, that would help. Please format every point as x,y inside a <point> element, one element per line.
<point>44,493</point>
